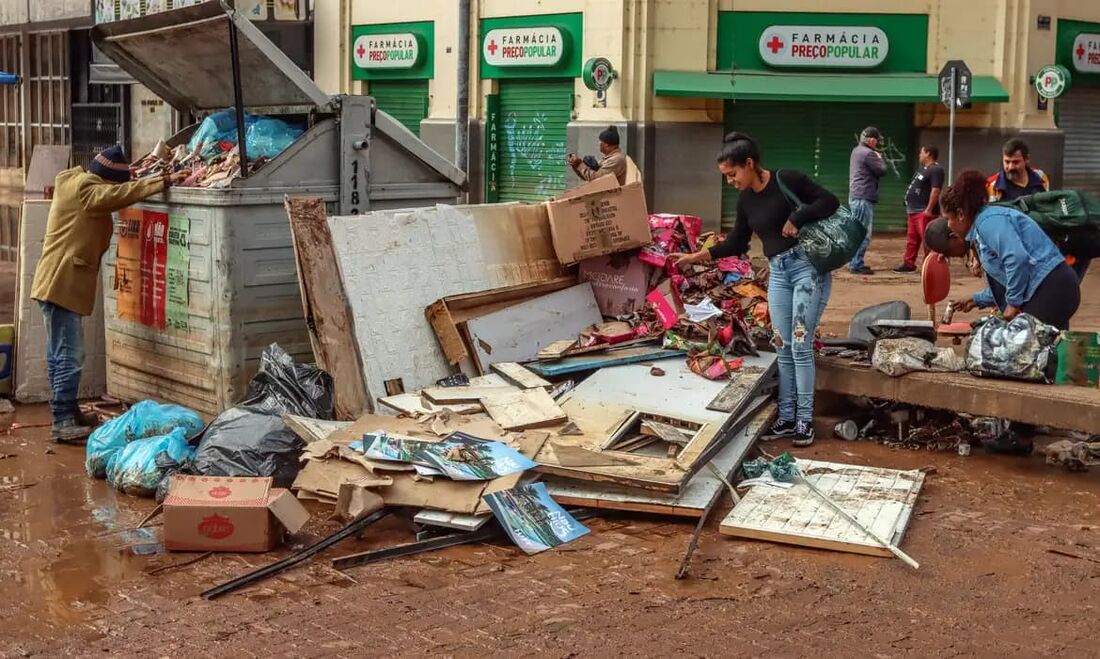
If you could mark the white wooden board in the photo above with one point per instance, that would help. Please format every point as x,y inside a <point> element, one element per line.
<point>520,410</point>
<point>414,405</point>
<point>518,375</point>
<point>451,520</point>
<point>518,332</point>
<point>881,499</point>
<point>689,503</point>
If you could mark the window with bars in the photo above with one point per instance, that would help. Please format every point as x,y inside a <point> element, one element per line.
<point>47,87</point>
<point>11,109</point>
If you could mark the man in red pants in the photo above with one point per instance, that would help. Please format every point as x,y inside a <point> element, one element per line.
<point>922,204</point>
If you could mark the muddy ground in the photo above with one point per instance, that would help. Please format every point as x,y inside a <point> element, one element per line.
<point>77,573</point>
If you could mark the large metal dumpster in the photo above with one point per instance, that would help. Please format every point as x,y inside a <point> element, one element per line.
<point>218,277</point>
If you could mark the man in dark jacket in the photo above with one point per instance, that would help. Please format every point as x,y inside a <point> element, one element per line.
<point>865,168</point>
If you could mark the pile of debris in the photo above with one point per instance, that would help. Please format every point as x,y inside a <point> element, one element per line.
<point>212,155</point>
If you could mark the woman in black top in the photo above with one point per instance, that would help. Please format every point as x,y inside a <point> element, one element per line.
<point>797,292</point>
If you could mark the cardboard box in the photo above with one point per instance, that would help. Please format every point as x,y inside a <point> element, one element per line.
<point>595,221</point>
<point>213,513</point>
<point>619,281</point>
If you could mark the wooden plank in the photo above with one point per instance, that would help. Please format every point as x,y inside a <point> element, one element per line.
<point>667,432</point>
<point>464,394</point>
<point>415,405</point>
<point>604,359</point>
<point>696,494</point>
<point>520,410</point>
<point>556,349</point>
<point>1065,407</point>
<point>518,332</point>
<point>575,456</point>
<point>521,377</point>
<point>447,314</point>
<point>880,499</point>
<point>726,401</point>
<point>451,520</point>
<point>599,405</point>
<point>325,304</point>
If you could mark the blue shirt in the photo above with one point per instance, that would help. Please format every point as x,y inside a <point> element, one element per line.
<point>1014,251</point>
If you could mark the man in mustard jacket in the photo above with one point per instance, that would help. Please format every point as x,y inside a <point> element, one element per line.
<point>78,232</point>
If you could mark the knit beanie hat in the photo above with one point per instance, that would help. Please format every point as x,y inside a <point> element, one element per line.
<point>610,135</point>
<point>869,133</point>
<point>111,164</point>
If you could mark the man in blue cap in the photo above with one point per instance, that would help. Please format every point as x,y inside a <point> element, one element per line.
<point>78,233</point>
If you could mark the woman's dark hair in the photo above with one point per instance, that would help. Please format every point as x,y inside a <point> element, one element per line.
<point>967,194</point>
<point>737,148</point>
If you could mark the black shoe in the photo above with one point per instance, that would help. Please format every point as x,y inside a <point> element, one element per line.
<point>863,271</point>
<point>779,429</point>
<point>804,434</point>
<point>904,268</point>
<point>69,432</point>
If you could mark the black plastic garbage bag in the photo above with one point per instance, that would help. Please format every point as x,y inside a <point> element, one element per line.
<point>251,439</point>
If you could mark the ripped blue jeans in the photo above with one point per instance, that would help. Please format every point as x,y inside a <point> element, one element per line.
<point>797,295</point>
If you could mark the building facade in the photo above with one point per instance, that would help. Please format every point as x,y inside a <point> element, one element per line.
<point>804,83</point>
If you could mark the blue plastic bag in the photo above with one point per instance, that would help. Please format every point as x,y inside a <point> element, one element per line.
<point>268,137</point>
<point>143,463</point>
<point>145,419</point>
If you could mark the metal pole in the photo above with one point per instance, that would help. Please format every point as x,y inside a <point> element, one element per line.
<point>238,94</point>
<point>462,119</point>
<point>951,128</point>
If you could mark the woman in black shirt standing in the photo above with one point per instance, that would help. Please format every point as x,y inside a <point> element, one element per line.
<point>797,292</point>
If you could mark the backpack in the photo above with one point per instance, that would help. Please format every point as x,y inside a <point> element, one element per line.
<point>1070,217</point>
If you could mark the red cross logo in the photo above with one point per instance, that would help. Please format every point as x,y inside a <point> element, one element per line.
<point>361,51</point>
<point>493,47</point>
<point>1080,52</point>
<point>775,45</point>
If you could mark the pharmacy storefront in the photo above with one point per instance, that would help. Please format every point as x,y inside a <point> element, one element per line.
<point>1077,111</point>
<point>397,62</point>
<point>534,62</point>
<point>805,85</point>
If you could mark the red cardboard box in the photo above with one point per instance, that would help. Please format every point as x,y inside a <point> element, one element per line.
<point>216,513</point>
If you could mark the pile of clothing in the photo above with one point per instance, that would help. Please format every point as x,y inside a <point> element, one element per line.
<point>212,155</point>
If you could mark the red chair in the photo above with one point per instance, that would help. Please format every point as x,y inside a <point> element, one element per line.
<point>935,278</point>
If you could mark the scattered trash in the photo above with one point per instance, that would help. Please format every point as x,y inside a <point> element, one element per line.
<point>145,419</point>
<point>847,430</point>
<point>458,456</point>
<point>897,357</point>
<point>6,406</point>
<point>1073,455</point>
<point>657,371</point>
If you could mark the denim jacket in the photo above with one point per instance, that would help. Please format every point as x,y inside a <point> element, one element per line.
<point>1014,251</point>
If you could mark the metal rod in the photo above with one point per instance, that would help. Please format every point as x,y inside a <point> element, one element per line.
<point>951,126</point>
<point>462,121</point>
<point>413,548</point>
<point>238,93</point>
<point>290,561</point>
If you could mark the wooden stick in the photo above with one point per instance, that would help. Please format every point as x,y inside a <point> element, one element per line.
<point>852,520</point>
<point>725,481</point>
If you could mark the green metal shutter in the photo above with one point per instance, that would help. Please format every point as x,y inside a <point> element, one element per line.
<point>818,138</point>
<point>534,115</point>
<point>838,129</point>
<point>1079,119</point>
<point>404,100</point>
<point>785,133</point>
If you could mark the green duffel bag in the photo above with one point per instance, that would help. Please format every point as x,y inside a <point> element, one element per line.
<point>1070,217</point>
<point>831,242</point>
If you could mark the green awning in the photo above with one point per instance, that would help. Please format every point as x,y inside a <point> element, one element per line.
<point>839,87</point>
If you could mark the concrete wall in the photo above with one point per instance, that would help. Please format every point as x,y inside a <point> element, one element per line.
<point>55,10</point>
<point>150,120</point>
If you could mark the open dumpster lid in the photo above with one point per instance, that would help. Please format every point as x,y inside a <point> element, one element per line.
<point>183,56</point>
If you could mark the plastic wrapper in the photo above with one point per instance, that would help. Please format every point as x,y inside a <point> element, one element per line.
<point>1023,348</point>
<point>145,419</point>
<point>251,439</point>
<point>141,465</point>
<point>900,356</point>
<point>268,137</point>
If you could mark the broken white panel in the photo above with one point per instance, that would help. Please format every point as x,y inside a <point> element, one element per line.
<point>395,263</point>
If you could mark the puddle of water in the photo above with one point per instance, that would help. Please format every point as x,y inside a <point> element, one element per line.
<point>69,545</point>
